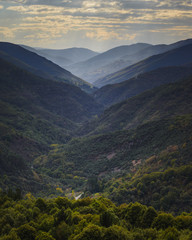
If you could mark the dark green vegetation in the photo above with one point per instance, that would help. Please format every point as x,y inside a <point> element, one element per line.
<point>87,219</point>
<point>111,163</point>
<point>162,102</point>
<point>39,66</point>
<point>56,141</point>
<point>114,93</point>
<point>175,57</point>
<point>35,113</point>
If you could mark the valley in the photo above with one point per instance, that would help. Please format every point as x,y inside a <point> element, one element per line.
<point>89,155</point>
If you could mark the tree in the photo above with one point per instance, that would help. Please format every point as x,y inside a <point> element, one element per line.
<point>135,212</point>
<point>91,232</point>
<point>183,222</point>
<point>116,233</point>
<point>26,232</point>
<point>108,218</point>
<point>171,233</point>
<point>63,202</point>
<point>63,215</point>
<point>63,231</point>
<point>148,217</point>
<point>44,236</point>
<point>163,221</point>
<point>41,204</point>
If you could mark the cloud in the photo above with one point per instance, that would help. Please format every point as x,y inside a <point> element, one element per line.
<point>93,20</point>
<point>6,32</point>
<point>36,9</point>
<point>102,34</point>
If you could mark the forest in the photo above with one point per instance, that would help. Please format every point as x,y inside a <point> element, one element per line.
<point>31,218</point>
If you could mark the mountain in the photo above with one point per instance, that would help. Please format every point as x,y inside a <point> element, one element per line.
<point>159,103</point>
<point>35,112</point>
<point>114,93</point>
<point>91,69</point>
<point>64,57</point>
<point>176,57</point>
<point>38,65</point>
<point>118,58</point>
<point>116,164</point>
<point>144,141</point>
<point>54,57</point>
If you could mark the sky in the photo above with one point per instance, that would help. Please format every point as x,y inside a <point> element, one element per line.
<point>95,24</point>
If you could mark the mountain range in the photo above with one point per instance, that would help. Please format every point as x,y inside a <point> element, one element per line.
<point>64,57</point>
<point>128,141</point>
<point>39,66</point>
<point>176,57</point>
<point>118,58</point>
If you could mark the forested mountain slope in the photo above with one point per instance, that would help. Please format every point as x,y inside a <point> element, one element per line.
<point>114,93</point>
<point>158,103</point>
<point>176,57</point>
<point>110,162</point>
<point>38,65</point>
<point>35,113</point>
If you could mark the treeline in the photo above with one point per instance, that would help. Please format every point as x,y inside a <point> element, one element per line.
<point>33,218</point>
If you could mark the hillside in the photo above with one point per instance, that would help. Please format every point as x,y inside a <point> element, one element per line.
<point>114,93</point>
<point>95,164</point>
<point>38,65</point>
<point>56,140</point>
<point>55,57</point>
<point>35,113</point>
<point>118,58</point>
<point>159,103</point>
<point>74,55</point>
<point>177,57</point>
<point>91,69</point>
<point>64,57</point>
<point>122,164</point>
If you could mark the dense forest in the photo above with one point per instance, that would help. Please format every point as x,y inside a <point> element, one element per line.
<point>86,219</point>
<point>109,163</point>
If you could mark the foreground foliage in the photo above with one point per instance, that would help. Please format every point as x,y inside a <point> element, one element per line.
<point>84,219</point>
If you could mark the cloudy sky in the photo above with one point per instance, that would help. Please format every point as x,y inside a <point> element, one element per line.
<point>95,24</point>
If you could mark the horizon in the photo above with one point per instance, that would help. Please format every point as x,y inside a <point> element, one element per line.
<point>39,48</point>
<point>96,25</point>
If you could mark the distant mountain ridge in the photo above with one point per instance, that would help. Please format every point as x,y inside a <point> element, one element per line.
<point>118,58</point>
<point>39,65</point>
<point>90,69</point>
<point>114,93</point>
<point>176,57</point>
<point>64,57</point>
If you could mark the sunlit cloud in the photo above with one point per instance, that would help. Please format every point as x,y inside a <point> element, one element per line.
<point>94,21</point>
<point>6,32</point>
<point>102,34</point>
<point>36,9</point>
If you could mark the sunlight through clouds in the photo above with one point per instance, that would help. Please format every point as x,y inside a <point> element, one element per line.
<point>102,22</point>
